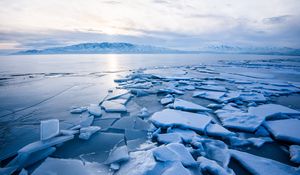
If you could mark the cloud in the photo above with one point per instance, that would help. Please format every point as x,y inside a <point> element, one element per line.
<point>181,24</point>
<point>277,19</point>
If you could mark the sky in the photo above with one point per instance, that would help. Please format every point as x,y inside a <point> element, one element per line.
<point>181,24</point>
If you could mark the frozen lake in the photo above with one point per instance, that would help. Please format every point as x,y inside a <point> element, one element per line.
<point>40,87</point>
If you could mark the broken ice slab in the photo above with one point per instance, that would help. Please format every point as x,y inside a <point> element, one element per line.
<point>187,106</point>
<point>140,162</point>
<point>70,166</point>
<point>169,138</point>
<point>171,91</point>
<point>185,134</point>
<point>110,106</point>
<point>174,152</point>
<point>78,110</point>
<point>87,132</point>
<point>252,97</point>
<point>118,155</point>
<point>263,166</point>
<point>24,160</point>
<point>68,132</point>
<point>217,130</point>
<point>175,118</point>
<point>49,129</point>
<point>110,115</point>
<point>212,88</point>
<point>210,95</point>
<point>95,110</point>
<point>268,110</point>
<point>86,121</point>
<point>42,144</point>
<point>144,113</point>
<point>176,168</point>
<point>213,167</point>
<point>295,153</point>
<point>167,99</point>
<point>285,130</point>
<point>116,94</point>
<point>235,118</point>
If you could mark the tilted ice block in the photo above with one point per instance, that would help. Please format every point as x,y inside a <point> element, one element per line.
<point>42,144</point>
<point>263,166</point>
<point>49,129</point>
<point>118,154</point>
<point>188,120</point>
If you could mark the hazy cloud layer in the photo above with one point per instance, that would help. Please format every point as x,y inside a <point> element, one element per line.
<point>186,24</point>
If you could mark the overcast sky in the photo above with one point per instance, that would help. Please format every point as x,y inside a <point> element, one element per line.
<point>186,24</point>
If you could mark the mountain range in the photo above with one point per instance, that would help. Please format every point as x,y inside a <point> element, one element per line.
<point>129,48</point>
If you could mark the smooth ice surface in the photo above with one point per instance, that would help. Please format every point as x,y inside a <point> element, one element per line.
<point>39,145</point>
<point>95,110</point>
<point>187,106</point>
<point>174,152</point>
<point>285,130</point>
<point>295,153</point>
<point>170,117</point>
<point>57,166</point>
<point>49,128</point>
<point>263,166</point>
<point>110,106</point>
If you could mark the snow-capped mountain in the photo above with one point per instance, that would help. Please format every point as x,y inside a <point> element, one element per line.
<point>251,50</point>
<point>121,47</point>
<point>104,47</point>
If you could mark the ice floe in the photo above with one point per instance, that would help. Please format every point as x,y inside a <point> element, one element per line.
<point>295,153</point>
<point>95,110</point>
<point>176,118</point>
<point>210,95</point>
<point>218,130</point>
<point>174,152</point>
<point>39,145</point>
<point>285,130</point>
<point>110,106</point>
<point>187,106</point>
<point>87,132</point>
<point>169,138</point>
<point>167,99</point>
<point>263,166</point>
<point>212,167</point>
<point>118,155</point>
